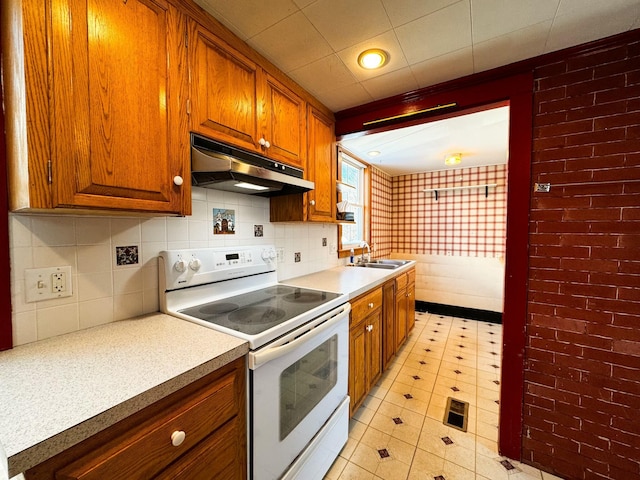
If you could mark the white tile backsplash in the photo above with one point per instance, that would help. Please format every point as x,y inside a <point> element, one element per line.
<point>104,292</point>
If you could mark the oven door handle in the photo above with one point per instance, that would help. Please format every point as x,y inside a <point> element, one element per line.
<point>311,329</point>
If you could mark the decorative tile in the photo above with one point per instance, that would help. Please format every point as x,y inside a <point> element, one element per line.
<point>459,357</point>
<point>495,366</point>
<point>384,453</point>
<point>457,372</point>
<point>416,377</point>
<point>455,389</point>
<point>464,328</point>
<point>422,362</point>
<point>497,382</point>
<point>398,421</point>
<point>408,396</point>
<point>439,477</point>
<point>435,331</point>
<point>462,336</point>
<point>127,255</point>
<point>427,349</point>
<point>461,346</point>
<point>447,440</point>
<point>432,339</point>
<point>497,401</point>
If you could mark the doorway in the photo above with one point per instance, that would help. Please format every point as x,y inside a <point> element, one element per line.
<point>474,93</point>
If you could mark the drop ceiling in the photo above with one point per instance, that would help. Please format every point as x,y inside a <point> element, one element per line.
<point>317,42</point>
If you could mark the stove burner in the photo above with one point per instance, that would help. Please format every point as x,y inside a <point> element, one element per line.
<point>305,297</point>
<point>218,308</point>
<point>278,290</point>
<point>257,315</point>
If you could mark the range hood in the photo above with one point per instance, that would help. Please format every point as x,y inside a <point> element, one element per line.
<point>219,166</point>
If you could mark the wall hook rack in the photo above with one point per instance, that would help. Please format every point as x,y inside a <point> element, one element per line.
<point>486,187</point>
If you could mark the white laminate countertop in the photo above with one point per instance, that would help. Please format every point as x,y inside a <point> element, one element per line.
<point>352,281</point>
<point>60,391</point>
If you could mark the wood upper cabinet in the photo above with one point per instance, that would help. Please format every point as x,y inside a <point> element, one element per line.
<point>116,131</point>
<point>197,432</point>
<point>365,345</point>
<point>318,205</point>
<point>224,90</point>
<point>234,100</point>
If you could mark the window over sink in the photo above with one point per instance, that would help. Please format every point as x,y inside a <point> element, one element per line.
<point>355,185</point>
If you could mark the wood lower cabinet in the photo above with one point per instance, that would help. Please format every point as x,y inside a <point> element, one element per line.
<point>97,100</point>
<point>198,432</point>
<point>365,345</point>
<point>405,310</point>
<point>318,205</point>
<point>389,320</point>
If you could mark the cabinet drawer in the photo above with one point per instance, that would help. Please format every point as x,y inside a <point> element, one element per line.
<point>401,282</point>
<point>366,304</point>
<point>411,276</point>
<point>149,449</point>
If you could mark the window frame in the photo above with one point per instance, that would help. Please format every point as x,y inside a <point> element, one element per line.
<point>366,203</point>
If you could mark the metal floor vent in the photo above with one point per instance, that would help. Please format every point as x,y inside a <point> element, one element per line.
<point>456,414</point>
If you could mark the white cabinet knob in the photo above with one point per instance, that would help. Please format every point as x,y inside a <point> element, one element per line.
<point>177,438</point>
<point>264,143</point>
<point>178,180</point>
<point>195,264</point>
<point>369,328</point>
<point>312,202</point>
<point>267,144</point>
<point>371,305</point>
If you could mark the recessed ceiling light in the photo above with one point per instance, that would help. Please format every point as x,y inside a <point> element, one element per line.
<point>453,159</point>
<point>373,58</point>
<point>373,153</point>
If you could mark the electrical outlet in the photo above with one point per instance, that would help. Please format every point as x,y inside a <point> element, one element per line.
<point>280,255</point>
<point>47,283</point>
<point>324,241</point>
<point>296,257</point>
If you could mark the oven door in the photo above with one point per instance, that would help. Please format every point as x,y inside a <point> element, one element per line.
<point>297,383</point>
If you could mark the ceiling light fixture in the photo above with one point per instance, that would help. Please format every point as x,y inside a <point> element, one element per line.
<point>373,153</point>
<point>373,58</point>
<point>453,159</point>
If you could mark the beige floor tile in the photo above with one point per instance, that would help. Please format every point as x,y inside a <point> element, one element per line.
<point>336,469</point>
<point>487,430</point>
<point>349,448</point>
<point>354,472</point>
<point>366,457</point>
<point>456,472</point>
<point>356,429</point>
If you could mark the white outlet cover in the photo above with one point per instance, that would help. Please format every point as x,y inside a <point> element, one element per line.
<point>39,283</point>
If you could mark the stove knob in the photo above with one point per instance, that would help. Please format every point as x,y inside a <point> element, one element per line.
<point>269,255</point>
<point>180,266</point>
<point>195,264</point>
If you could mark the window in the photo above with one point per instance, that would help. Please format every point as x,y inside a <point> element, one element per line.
<point>354,182</point>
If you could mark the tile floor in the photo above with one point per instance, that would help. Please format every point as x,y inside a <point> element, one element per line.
<point>398,433</point>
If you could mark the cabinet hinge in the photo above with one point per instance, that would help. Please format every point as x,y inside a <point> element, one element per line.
<point>49,173</point>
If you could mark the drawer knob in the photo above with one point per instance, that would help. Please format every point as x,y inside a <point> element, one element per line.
<point>371,305</point>
<point>178,180</point>
<point>177,438</point>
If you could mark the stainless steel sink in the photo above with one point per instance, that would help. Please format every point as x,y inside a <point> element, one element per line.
<point>383,263</point>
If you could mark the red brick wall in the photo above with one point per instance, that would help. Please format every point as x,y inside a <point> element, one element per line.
<point>582,371</point>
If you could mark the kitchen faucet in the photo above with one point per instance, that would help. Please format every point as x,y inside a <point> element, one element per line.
<point>362,245</point>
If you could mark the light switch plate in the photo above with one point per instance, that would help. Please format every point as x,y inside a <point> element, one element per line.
<point>47,283</point>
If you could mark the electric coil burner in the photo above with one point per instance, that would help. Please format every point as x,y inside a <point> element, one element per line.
<point>299,352</point>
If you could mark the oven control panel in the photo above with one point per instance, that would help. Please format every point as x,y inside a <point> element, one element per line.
<point>191,267</point>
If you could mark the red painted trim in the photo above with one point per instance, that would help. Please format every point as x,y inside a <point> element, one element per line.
<point>518,92</point>
<point>6,340</point>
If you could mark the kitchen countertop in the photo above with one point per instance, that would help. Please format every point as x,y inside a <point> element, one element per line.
<point>60,391</point>
<point>352,281</point>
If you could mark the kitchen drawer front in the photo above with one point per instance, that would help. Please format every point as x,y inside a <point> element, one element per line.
<point>411,276</point>
<point>150,449</point>
<point>364,305</point>
<point>401,282</point>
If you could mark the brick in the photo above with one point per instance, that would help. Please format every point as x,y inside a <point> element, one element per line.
<point>593,348</point>
<point>547,167</point>
<point>595,85</point>
<point>543,96</point>
<point>559,276</point>
<point>600,57</point>
<point>589,316</point>
<point>631,214</point>
<point>615,68</point>
<point>616,94</point>
<point>557,129</point>
<point>582,290</point>
<point>616,174</point>
<point>622,253</point>
<point>569,103</point>
<point>570,78</point>
<point>563,227</point>
<point>558,299</point>
<point>629,294</point>
<point>612,331</point>
<point>596,111</point>
<point>624,226</point>
<point>551,70</point>
<point>593,214</point>
<point>562,251</point>
<point>610,357</point>
<point>576,151</point>
<point>540,402</point>
<point>589,265</point>
<point>543,286</point>
<point>621,120</point>
<point>625,398</point>
<point>541,144</point>
<point>630,321</point>
<point>543,262</point>
<point>629,267</point>
<point>598,239</point>
<point>611,148</point>
<point>621,200</point>
<point>546,201</point>
<point>543,120</point>
<point>628,347</point>
<point>600,136</point>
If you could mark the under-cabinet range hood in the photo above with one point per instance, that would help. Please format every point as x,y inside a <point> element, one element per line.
<point>220,166</point>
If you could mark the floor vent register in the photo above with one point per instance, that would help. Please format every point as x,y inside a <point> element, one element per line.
<point>456,414</point>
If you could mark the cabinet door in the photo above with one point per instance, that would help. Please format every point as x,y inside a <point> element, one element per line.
<point>119,129</point>
<point>224,90</point>
<point>388,320</point>
<point>357,370</point>
<point>401,317</point>
<point>374,348</point>
<point>411,307</point>
<point>285,117</point>
<point>321,168</point>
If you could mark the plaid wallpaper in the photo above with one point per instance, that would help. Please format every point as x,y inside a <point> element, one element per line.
<point>460,223</point>
<point>381,213</point>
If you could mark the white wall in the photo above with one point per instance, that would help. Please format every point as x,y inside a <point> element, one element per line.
<point>471,282</point>
<point>104,292</point>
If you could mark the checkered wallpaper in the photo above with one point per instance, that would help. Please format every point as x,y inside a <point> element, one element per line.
<point>460,223</point>
<point>381,213</point>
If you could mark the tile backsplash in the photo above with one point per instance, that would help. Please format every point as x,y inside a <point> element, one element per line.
<point>114,259</point>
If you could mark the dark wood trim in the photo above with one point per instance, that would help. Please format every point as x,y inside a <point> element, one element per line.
<point>6,338</point>
<point>459,312</point>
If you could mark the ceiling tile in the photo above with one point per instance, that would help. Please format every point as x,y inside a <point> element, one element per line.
<point>208,5</point>
<point>292,43</point>
<point>344,23</point>
<point>253,17</point>
<point>513,15</point>
<point>445,67</point>
<point>393,83</point>
<point>345,97</point>
<point>405,11</point>
<point>319,75</point>
<point>524,43</point>
<point>387,42</point>
<point>432,35</point>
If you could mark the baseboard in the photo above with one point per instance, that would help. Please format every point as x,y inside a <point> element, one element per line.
<point>461,312</point>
